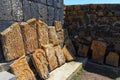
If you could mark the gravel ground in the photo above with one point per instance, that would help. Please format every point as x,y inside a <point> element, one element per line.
<point>84,75</point>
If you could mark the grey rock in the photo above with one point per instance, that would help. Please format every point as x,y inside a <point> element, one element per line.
<point>26,10</point>
<point>5,10</point>
<point>51,15</point>
<point>50,2</point>
<point>17,11</point>
<point>44,1</point>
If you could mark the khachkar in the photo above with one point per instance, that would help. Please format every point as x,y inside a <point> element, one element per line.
<point>34,39</point>
<point>22,10</point>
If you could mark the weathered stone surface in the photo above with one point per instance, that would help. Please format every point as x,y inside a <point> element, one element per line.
<point>60,55</point>
<point>22,70</point>
<point>12,42</point>
<point>34,9</point>
<point>68,56</point>
<point>42,30</point>
<point>26,10</point>
<point>50,2</point>
<point>43,1</point>
<point>40,63</point>
<point>112,59</point>
<point>70,46</point>
<point>6,9</point>
<point>52,59</point>
<point>83,50</point>
<point>17,11</point>
<point>52,35</point>
<point>98,51</point>
<point>58,25</point>
<point>51,15</point>
<point>57,14</point>
<point>29,35</point>
<point>43,13</point>
<point>60,35</point>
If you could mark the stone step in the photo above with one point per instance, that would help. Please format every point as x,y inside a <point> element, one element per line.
<point>66,71</point>
<point>7,76</point>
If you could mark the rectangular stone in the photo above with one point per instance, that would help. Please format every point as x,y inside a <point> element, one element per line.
<point>52,59</point>
<point>42,30</point>
<point>53,38</point>
<point>29,34</point>
<point>68,56</point>
<point>60,35</point>
<point>43,1</point>
<point>58,25</point>
<point>26,10</point>
<point>17,11</point>
<point>7,76</point>
<point>112,59</point>
<point>5,10</point>
<point>60,55</point>
<point>12,42</point>
<point>70,46</point>
<point>20,68</point>
<point>98,51</point>
<point>83,50</point>
<point>41,64</point>
<point>43,12</point>
<point>51,15</point>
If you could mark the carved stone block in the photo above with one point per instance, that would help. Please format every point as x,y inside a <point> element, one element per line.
<point>60,35</point>
<point>83,50</point>
<point>29,35</point>
<point>70,46</point>
<point>40,63</point>
<point>98,51</point>
<point>42,30</point>
<point>12,42</point>
<point>52,59</point>
<point>68,56</point>
<point>60,55</point>
<point>58,25</point>
<point>21,69</point>
<point>53,38</point>
<point>112,59</point>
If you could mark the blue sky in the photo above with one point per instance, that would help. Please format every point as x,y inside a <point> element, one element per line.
<point>72,2</point>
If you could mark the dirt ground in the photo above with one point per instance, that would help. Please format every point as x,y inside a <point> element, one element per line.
<point>84,75</point>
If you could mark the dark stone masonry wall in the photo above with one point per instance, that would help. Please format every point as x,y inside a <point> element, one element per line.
<point>101,22</point>
<point>22,10</point>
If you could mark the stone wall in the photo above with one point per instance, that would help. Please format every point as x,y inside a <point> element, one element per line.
<point>22,10</point>
<point>86,23</point>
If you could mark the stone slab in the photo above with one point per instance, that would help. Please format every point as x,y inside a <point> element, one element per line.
<point>66,71</point>
<point>7,76</point>
<point>29,35</point>
<point>12,42</point>
<point>20,68</point>
<point>41,64</point>
<point>42,30</point>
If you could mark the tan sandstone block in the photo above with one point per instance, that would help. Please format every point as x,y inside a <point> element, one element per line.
<point>68,56</point>
<point>53,38</point>
<point>98,51</point>
<point>112,59</point>
<point>29,36</point>
<point>12,42</point>
<point>60,55</point>
<point>58,25</point>
<point>41,64</point>
<point>42,30</point>
<point>21,69</point>
<point>52,59</point>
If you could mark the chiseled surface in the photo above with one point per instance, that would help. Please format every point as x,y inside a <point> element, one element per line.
<point>66,71</point>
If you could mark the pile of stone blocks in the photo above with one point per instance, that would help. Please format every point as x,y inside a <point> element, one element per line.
<point>44,45</point>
